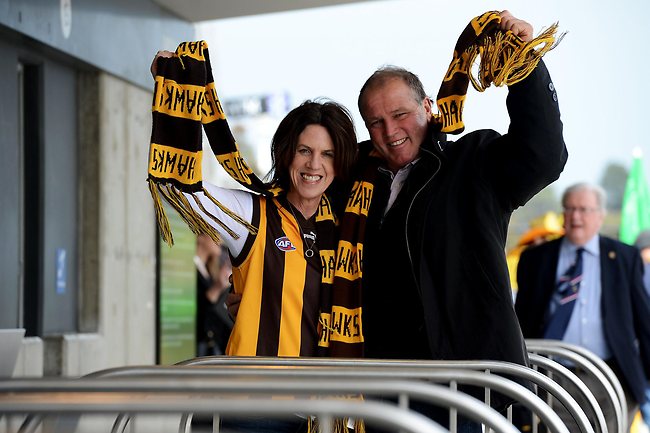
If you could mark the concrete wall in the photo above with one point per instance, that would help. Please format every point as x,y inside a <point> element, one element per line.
<point>116,36</point>
<point>108,45</point>
<point>118,238</point>
<point>127,236</point>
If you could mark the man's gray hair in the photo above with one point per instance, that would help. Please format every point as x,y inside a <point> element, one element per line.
<point>389,72</point>
<point>599,192</point>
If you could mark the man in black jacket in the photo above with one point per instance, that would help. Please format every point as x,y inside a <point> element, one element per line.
<point>439,219</point>
<point>435,278</point>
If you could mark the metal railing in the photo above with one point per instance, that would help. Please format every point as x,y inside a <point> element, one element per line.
<point>591,365</point>
<point>411,369</point>
<point>193,381</point>
<point>60,400</point>
<point>555,370</point>
<point>216,382</point>
<point>447,375</point>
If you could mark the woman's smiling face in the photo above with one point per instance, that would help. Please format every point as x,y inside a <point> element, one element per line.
<point>312,169</point>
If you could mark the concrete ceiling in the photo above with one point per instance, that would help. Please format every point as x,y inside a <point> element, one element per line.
<point>203,10</point>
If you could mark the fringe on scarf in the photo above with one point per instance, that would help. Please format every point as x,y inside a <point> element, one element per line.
<point>340,425</point>
<point>506,62</point>
<point>194,220</point>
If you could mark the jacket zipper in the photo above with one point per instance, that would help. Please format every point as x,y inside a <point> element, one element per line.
<point>408,213</point>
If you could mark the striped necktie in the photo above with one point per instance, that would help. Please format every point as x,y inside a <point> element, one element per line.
<point>564,299</point>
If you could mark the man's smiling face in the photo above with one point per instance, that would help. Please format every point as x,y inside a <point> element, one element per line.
<point>397,121</point>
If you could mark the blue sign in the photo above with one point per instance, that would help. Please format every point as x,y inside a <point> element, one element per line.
<point>60,271</point>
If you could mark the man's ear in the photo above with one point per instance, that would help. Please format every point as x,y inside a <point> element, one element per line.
<point>428,105</point>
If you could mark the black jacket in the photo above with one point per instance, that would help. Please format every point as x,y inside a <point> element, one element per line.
<point>452,220</point>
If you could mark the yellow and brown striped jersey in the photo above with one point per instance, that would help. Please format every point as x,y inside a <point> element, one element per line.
<point>280,287</point>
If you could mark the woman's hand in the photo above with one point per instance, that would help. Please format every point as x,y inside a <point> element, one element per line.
<point>232,304</point>
<point>154,64</point>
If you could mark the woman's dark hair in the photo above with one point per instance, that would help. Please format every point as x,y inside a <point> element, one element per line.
<point>334,117</point>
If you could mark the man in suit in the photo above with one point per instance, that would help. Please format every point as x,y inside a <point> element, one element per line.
<point>608,306</point>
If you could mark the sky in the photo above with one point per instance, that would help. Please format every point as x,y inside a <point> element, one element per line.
<point>600,69</point>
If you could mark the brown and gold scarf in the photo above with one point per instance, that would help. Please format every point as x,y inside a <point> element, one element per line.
<point>504,59</point>
<point>184,100</point>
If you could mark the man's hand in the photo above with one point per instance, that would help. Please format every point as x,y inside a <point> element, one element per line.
<point>519,27</point>
<point>232,303</point>
<point>154,64</point>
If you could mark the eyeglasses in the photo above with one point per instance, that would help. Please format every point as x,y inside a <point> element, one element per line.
<point>581,209</point>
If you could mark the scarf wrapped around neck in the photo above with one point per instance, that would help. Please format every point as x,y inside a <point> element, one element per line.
<point>505,59</point>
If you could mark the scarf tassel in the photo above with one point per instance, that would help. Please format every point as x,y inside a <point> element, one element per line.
<point>194,220</point>
<point>161,216</point>
<point>505,60</point>
<point>251,228</point>
<point>340,425</point>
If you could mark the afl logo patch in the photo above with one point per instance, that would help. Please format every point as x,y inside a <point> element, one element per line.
<point>284,244</point>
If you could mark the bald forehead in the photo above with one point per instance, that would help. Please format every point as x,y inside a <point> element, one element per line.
<point>379,84</point>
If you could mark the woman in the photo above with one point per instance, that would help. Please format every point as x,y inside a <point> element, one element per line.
<point>278,270</point>
<point>283,267</point>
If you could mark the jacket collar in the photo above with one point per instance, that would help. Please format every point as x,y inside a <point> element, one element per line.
<point>435,140</point>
